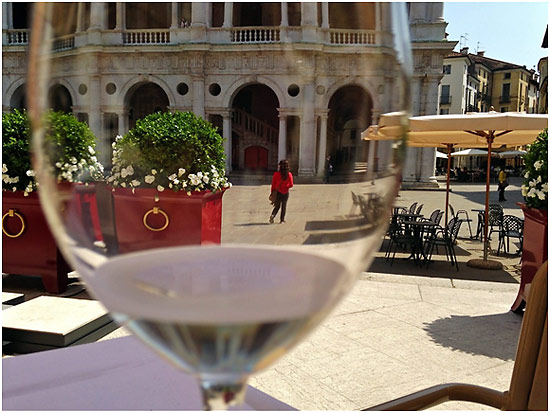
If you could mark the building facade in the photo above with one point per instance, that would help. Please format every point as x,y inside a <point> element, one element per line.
<point>299,81</point>
<point>475,83</point>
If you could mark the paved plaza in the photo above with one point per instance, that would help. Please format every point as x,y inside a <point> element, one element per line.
<point>401,329</point>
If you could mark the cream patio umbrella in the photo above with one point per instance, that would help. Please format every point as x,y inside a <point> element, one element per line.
<point>475,130</point>
<point>478,130</point>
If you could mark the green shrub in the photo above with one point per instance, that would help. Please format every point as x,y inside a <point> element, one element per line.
<point>70,145</point>
<point>170,150</point>
<point>535,185</point>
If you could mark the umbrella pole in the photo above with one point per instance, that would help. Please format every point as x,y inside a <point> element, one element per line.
<point>449,146</point>
<point>487,188</point>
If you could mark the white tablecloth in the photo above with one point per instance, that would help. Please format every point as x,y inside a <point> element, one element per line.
<point>117,374</point>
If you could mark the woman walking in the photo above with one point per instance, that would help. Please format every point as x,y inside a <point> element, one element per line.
<point>282,181</point>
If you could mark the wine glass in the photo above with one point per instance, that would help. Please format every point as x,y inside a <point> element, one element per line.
<point>222,291</point>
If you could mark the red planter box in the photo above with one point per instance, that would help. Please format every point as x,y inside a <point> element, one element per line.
<point>535,249</point>
<point>148,218</point>
<point>28,246</point>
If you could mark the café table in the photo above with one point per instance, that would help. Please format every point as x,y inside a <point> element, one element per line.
<point>117,374</point>
<point>480,223</point>
<point>416,228</point>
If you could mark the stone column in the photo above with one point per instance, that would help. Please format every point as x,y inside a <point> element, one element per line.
<point>198,21</point>
<point>324,16</point>
<point>123,121</point>
<point>307,130</point>
<point>94,116</point>
<point>80,17</point>
<point>97,16</point>
<point>284,14</point>
<point>7,15</point>
<point>227,15</point>
<point>281,150</point>
<point>198,93</point>
<point>322,142</point>
<point>309,21</point>
<point>120,16</point>
<point>174,24</point>
<point>227,144</point>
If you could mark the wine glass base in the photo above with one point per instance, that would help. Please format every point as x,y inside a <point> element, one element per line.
<point>221,395</point>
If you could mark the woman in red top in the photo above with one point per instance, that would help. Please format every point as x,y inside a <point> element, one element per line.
<point>282,181</point>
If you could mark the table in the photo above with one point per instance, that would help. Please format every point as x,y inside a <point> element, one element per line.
<point>417,230</point>
<point>117,374</point>
<point>480,223</point>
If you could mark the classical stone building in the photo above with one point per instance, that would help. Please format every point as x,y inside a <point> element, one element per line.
<point>281,80</point>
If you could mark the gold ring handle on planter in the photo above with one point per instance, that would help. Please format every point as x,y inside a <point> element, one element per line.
<point>156,211</point>
<point>12,213</point>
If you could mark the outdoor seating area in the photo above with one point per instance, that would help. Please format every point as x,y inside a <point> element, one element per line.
<point>413,232</point>
<point>423,236</point>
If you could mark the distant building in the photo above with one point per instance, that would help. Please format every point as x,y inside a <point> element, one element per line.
<point>543,70</point>
<point>246,67</point>
<point>475,83</point>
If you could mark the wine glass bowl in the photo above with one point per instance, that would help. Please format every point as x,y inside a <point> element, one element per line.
<point>187,261</point>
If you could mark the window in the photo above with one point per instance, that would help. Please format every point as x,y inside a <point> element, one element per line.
<point>505,98</point>
<point>447,69</point>
<point>443,111</point>
<point>445,95</point>
<point>507,75</point>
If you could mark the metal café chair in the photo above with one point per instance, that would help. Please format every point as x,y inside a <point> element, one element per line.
<point>445,237</point>
<point>512,227</point>
<point>528,388</point>
<point>465,213</point>
<point>496,213</point>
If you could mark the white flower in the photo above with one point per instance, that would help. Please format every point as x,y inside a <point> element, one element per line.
<point>30,172</point>
<point>172,177</point>
<point>205,179</point>
<point>4,168</point>
<point>195,180</point>
<point>124,173</point>
<point>149,179</point>
<point>539,179</point>
<point>545,187</point>
<point>537,165</point>
<point>524,190</point>
<point>130,170</point>
<point>532,183</point>
<point>73,160</point>
<point>154,171</point>
<point>135,182</point>
<point>176,181</point>
<point>532,193</point>
<point>160,188</point>
<point>541,195</point>
<point>91,150</point>
<point>526,176</point>
<point>181,171</point>
<point>58,164</point>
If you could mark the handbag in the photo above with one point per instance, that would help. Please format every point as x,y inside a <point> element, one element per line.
<point>272,196</point>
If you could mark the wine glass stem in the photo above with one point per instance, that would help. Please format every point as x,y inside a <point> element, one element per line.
<point>219,395</point>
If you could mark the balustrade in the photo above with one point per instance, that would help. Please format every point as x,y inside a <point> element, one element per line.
<point>63,43</point>
<point>253,125</point>
<point>16,37</point>
<point>146,37</point>
<point>255,35</point>
<point>352,37</point>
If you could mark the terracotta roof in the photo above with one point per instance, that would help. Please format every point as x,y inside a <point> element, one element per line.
<point>492,64</point>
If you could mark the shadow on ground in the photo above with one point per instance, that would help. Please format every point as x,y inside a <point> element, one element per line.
<point>470,334</point>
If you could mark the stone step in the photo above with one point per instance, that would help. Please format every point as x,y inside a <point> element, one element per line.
<point>12,298</point>
<point>47,322</point>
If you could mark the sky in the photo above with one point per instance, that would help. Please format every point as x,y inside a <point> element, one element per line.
<point>507,31</point>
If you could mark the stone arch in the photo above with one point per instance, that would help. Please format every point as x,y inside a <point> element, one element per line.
<point>15,93</point>
<point>367,86</point>
<point>131,85</point>
<point>143,99</point>
<point>255,124</point>
<point>60,97</point>
<point>350,113</point>
<point>244,81</point>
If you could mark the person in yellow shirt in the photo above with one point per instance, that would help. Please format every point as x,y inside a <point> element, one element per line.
<point>502,184</point>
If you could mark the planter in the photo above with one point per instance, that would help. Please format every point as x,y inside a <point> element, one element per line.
<point>28,246</point>
<point>151,219</point>
<point>535,250</point>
